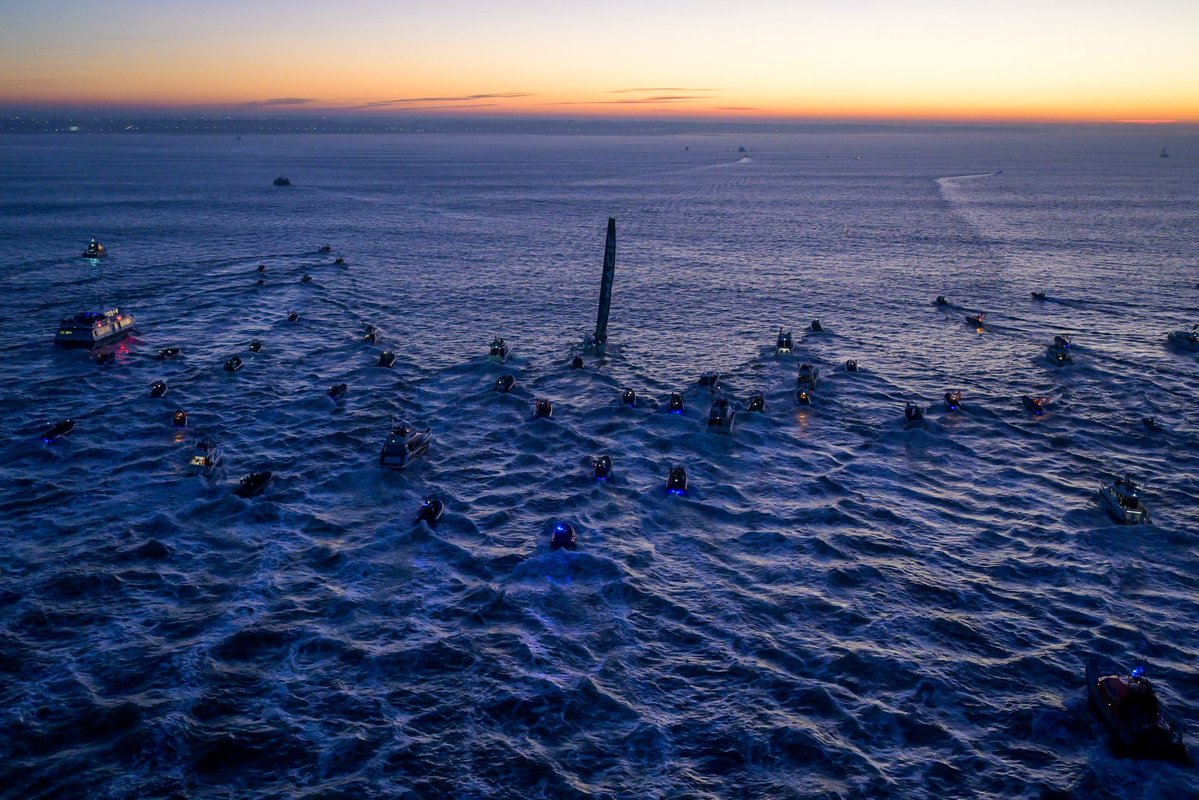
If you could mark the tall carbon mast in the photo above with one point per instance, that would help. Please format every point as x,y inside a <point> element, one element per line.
<point>600,337</point>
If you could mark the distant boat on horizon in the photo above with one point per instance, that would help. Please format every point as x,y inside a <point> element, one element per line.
<point>1163,154</point>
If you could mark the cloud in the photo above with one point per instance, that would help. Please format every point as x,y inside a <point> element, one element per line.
<point>405,101</point>
<point>281,101</point>
<point>736,108</point>
<point>660,89</point>
<point>656,99</point>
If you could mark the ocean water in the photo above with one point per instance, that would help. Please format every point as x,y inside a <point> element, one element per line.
<point>843,606</point>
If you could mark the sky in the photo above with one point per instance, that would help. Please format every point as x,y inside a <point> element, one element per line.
<point>1015,60</point>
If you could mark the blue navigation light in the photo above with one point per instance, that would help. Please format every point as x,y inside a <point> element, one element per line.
<point>1139,671</point>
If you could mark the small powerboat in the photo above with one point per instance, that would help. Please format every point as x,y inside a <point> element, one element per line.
<point>941,301</point>
<point>500,351</point>
<point>233,364</point>
<point>953,400</point>
<point>504,383</point>
<point>576,362</point>
<point>808,377</point>
<point>337,391</point>
<point>430,511</point>
<point>784,344</point>
<point>676,482</point>
<point>282,181</point>
<point>306,279</point>
<point>563,537</point>
<point>339,261</point>
<point>255,346</point>
<point>977,320</point>
<point>1058,356</point>
<point>1188,340</point>
<point>816,327</point>
<point>628,397</point>
<point>261,282</point>
<point>675,404</point>
<point>167,353</point>
<point>542,409</point>
<point>851,365</point>
<point>58,430</point>
<point>1129,706</point>
<point>324,248</point>
<point>262,267</point>
<point>253,484</point>
<point>204,458</point>
<point>1062,340</point>
<point>721,416</point>
<point>107,357</point>
<point>293,316</point>
<point>1038,295</point>
<point>756,402</point>
<point>803,398</point>
<point>913,413</point>
<point>404,445</point>
<point>1123,501</point>
<point>95,250</point>
<point>371,334</point>
<point>710,380</point>
<point>603,468</point>
<point>1036,405</point>
<point>1152,424</point>
<point>386,359</point>
<point>179,420</point>
<point>158,388</point>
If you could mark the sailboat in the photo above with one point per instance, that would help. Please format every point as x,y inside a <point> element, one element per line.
<point>1163,154</point>
<point>595,342</point>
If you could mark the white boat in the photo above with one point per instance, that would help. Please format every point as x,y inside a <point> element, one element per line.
<point>1123,501</point>
<point>721,416</point>
<point>808,377</point>
<point>404,445</point>
<point>205,457</point>
<point>91,328</point>
<point>500,351</point>
<point>784,344</point>
<point>1186,339</point>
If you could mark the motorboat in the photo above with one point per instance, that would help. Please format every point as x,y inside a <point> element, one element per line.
<point>721,416</point>
<point>676,482</point>
<point>1186,339</point>
<point>324,248</point>
<point>784,344</point>
<point>1123,501</point>
<point>430,511</point>
<point>913,413</point>
<point>953,400</point>
<point>977,320</point>
<point>106,357</point>
<point>92,328</point>
<point>1062,340</point>
<point>1152,424</point>
<point>168,353</point>
<point>675,404</point>
<point>282,181</point>
<point>306,279</point>
<point>851,365</point>
<point>253,484</point>
<point>603,468</point>
<point>293,316</point>
<point>803,398</point>
<point>1128,705</point>
<point>1038,295</point>
<point>756,402</point>
<point>504,383</point>
<point>179,419</point>
<point>58,430</point>
<point>808,377</point>
<point>816,327</point>
<point>261,282</point>
<point>628,397</point>
<point>710,379</point>
<point>339,261</point>
<point>1036,405</point>
<point>205,457</point>
<point>500,351</point>
<point>1058,356</point>
<point>158,388</point>
<point>941,301</point>
<point>563,537</point>
<point>262,267</point>
<point>371,334</point>
<point>94,250</point>
<point>542,408</point>
<point>576,362</point>
<point>337,391</point>
<point>404,445</point>
<point>256,346</point>
<point>386,359</point>
<point>233,364</point>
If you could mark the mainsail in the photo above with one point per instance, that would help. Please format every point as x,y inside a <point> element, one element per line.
<point>605,299</point>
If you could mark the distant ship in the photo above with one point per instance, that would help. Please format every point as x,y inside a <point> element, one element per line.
<point>1163,154</point>
<point>282,181</point>
<point>91,328</point>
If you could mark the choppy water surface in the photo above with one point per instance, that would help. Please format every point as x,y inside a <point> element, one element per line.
<point>841,607</point>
